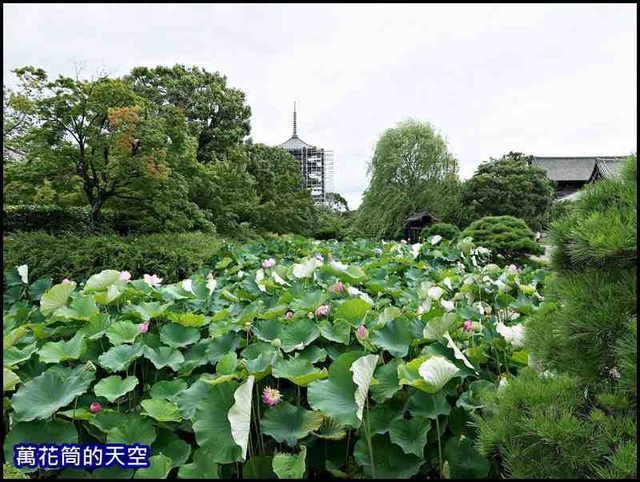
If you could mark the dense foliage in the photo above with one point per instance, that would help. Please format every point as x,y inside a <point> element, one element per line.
<point>446,230</point>
<point>76,256</point>
<point>53,219</point>
<point>573,414</point>
<point>510,186</point>
<point>164,149</point>
<point>506,236</point>
<point>411,171</point>
<point>283,358</point>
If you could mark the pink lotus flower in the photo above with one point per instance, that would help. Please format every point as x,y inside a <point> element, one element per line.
<point>513,267</point>
<point>66,281</point>
<point>289,315</point>
<point>144,327</point>
<point>152,280</point>
<point>362,333</point>
<point>467,325</point>
<point>268,263</point>
<point>125,275</point>
<point>271,396</point>
<point>322,310</point>
<point>95,407</point>
<point>337,288</point>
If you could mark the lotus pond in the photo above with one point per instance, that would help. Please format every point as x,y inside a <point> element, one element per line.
<point>287,358</point>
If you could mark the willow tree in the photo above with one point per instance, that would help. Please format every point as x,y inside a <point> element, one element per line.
<point>411,171</point>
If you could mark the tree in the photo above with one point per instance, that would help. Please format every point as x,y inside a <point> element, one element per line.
<point>217,115</point>
<point>510,186</point>
<point>101,132</point>
<point>411,171</point>
<point>338,203</point>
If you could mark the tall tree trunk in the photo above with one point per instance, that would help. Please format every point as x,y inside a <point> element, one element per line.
<point>95,213</point>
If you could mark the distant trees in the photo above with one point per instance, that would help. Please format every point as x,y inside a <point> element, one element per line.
<point>411,170</point>
<point>509,186</point>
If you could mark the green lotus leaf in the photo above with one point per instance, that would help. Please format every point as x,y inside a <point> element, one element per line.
<point>299,371</point>
<point>470,399</point>
<point>457,352</point>
<point>330,430</point>
<point>14,336</point>
<point>63,350</point>
<point>259,467</point>
<point>239,415</point>
<point>272,312</point>
<point>123,332</point>
<point>159,467</point>
<point>178,336</point>
<point>289,423</point>
<point>101,281</point>
<point>335,396</point>
<point>306,300</point>
<point>56,297</point>
<point>78,414</point>
<point>189,399</point>
<point>298,335</point>
<point>388,383</point>
<point>395,337</point>
<point>338,331</point>
<point>221,346</point>
<point>408,374</point>
<point>353,311</point>
<point>390,462</point>
<point>287,466</point>
<point>465,462</point>
<point>227,364</point>
<point>9,380</point>
<point>164,356</point>
<point>132,429</point>
<point>313,353</point>
<point>148,311</point>
<point>107,420</point>
<point>362,370</point>
<point>436,327</point>
<point>422,404</point>
<point>161,410</point>
<point>202,467</point>
<point>14,356</point>
<point>113,472</point>
<point>188,319</point>
<point>169,389</point>
<point>39,431</point>
<point>436,372</point>
<point>81,308</point>
<point>410,435</point>
<point>73,473</point>
<point>211,425</point>
<point>119,357</point>
<point>167,443</point>
<point>114,387</point>
<point>96,327</point>
<point>41,396</point>
<point>196,356</point>
<point>258,359</point>
<point>388,314</point>
<point>113,293</point>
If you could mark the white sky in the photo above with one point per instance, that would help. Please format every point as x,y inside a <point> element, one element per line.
<point>540,79</point>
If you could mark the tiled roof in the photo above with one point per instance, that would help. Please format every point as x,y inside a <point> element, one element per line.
<point>295,143</point>
<point>573,168</point>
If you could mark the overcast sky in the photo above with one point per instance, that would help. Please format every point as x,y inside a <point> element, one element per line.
<point>540,79</point>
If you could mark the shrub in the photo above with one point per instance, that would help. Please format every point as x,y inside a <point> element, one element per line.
<point>73,256</point>
<point>559,210</point>
<point>506,236</point>
<point>53,219</point>
<point>446,230</point>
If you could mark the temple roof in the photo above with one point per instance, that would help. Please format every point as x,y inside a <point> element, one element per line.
<point>295,143</point>
<point>575,168</point>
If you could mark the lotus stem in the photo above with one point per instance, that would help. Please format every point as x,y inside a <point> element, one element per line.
<point>368,434</point>
<point>439,447</point>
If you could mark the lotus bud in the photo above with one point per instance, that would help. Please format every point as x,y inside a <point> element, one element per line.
<point>95,407</point>
<point>268,263</point>
<point>289,315</point>
<point>124,275</point>
<point>322,310</point>
<point>66,281</point>
<point>362,333</point>
<point>144,327</point>
<point>467,325</point>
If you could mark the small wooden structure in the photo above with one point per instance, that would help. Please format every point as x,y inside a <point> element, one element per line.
<point>414,225</point>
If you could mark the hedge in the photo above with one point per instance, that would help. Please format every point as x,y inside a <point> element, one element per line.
<point>446,230</point>
<point>53,219</point>
<point>170,256</point>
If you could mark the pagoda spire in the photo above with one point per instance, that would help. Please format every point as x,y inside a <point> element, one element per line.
<point>295,122</point>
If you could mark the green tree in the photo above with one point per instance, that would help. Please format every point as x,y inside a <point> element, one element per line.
<point>217,115</point>
<point>102,133</point>
<point>510,186</point>
<point>411,170</point>
<point>338,203</point>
